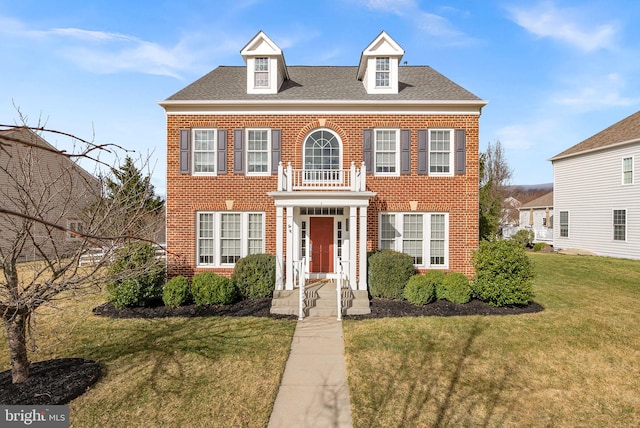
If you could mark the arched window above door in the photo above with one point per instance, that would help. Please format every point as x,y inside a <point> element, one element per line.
<point>322,151</point>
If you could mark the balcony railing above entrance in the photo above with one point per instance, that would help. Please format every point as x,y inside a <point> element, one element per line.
<point>352,179</point>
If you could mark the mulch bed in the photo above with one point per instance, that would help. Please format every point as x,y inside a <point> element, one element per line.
<point>380,308</point>
<point>60,381</point>
<point>51,382</point>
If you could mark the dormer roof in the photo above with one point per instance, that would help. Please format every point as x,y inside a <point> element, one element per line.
<point>262,46</point>
<point>382,45</point>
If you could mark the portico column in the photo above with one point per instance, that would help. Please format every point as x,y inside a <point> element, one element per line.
<point>289,258</point>
<point>353,248</point>
<point>279,249</point>
<point>362,242</point>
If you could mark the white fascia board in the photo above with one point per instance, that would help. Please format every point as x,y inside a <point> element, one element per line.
<point>596,149</point>
<point>323,106</point>
<point>322,199</point>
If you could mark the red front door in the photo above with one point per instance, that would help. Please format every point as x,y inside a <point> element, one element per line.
<point>321,242</point>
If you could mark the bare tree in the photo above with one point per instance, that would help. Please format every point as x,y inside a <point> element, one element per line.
<point>495,175</point>
<point>55,215</point>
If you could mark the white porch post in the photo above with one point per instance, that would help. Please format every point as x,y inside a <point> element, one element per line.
<point>289,261</point>
<point>279,249</point>
<point>353,248</point>
<point>362,242</point>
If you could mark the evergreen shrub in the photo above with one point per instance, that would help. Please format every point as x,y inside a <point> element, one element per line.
<point>177,292</point>
<point>389,272</point>
<point>209,288</point>
<point>254,276</point>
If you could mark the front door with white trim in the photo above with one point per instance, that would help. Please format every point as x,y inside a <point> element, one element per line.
<point>321,245</point>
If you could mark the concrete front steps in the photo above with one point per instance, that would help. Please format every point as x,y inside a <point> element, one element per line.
<point>321,300</point>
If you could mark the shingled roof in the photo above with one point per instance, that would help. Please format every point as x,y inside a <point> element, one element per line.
<point>625,131</point>
<point>334,83</point>
<point>543,201</point>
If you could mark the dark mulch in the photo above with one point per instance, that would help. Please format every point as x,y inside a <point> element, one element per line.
<point>60,381</point>
<point>380,308</point>
<point>51,382</point>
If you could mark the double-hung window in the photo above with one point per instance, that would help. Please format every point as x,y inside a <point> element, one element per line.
<point>627,170</point>
<point>423,236</point>
<point>383,71</point>
<point>225,237</point>
<point>386,146</point>
<point>619,225</point>
<point>204,151</point>
<point>258,151</point>
<point>261,72</point>
<point>440,156</point>
<point>564,224</point>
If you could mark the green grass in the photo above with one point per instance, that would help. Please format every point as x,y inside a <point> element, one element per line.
<point>195,372</point>
<point>577,363</point>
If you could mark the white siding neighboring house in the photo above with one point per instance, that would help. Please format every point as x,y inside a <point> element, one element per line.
<point>537,216</point>
<point>597,193</point>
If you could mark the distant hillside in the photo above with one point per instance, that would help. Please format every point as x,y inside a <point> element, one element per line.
<point>528,192</point>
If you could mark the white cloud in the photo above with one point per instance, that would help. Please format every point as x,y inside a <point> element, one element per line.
<point>595,93</point>
<point>105,52</point>
<point>566,25</point>
<point>429,23</point>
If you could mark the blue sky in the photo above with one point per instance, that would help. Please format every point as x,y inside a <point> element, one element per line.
<point>554,72</point>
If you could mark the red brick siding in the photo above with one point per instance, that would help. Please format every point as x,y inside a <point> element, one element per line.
<point>186,194</point>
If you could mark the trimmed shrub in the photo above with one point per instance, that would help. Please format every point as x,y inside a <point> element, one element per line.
<point>539,246</point>
<point>455,288</point>
<point>389,272</point>
<point>209,288</point>
<point>523,237</point>
<point>138,276</point>
<point>504,273</point>
<point>420,290</point>
<point>177,292</point>
<point>254,276</point>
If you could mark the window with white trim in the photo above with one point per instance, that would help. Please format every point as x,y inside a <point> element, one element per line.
<point>423,236</point>
<point>387,159</point>
<point>74,226</point>
<point>225,237</point>
<point>383,72</point>
<point>261,72</point>
<point>564,224</point>
<point>440,156</point>
<point>619,225</point>
<point>204,151</point>
<point>322,157</point>
<point>258,151</point>
<point>627,170</point>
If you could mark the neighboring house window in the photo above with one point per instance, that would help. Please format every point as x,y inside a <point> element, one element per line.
<point>423,236</point>
<point>261,72</point>
<point>627,170</point>
<point>619,225</point>
<point>383,71</point>
<point>204,151</point>
<point>258,151</point>
<point>322,156</point>
<point>224,237</point>
<point>74,226</point>
<point>564,224</point>
<point>386,148</point>
<point>440,157</point>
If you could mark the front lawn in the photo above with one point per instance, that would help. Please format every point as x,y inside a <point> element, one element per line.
<point>577,363</point>
<point>178,372</point>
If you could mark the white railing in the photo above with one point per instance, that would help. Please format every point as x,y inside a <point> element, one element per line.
<point>352,179</point>
<point>339,287</point>
<point>300,269</point>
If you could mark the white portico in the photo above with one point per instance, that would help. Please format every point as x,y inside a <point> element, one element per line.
<point>321,225</point>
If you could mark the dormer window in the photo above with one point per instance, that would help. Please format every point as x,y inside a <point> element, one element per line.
<point>266,68</point>
<point>378,68</point>
<point>383,70</point>
<point>261,72</point>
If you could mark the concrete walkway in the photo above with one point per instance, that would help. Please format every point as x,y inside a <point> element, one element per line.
<point>314,390</point>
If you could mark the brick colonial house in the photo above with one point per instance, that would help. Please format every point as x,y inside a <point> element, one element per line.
<point>320,164</point>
